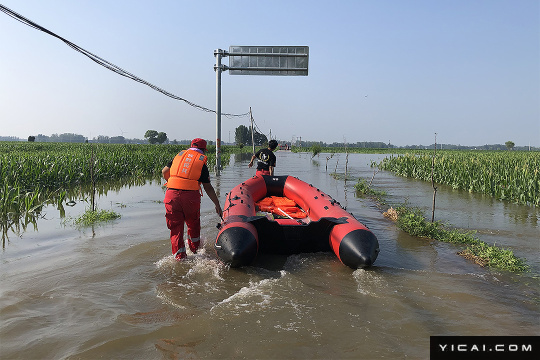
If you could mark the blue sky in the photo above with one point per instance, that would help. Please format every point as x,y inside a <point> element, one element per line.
<point>389,70</point>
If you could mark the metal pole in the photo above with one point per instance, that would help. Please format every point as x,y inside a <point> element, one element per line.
<point>217,68</point>
<point>252,130</point>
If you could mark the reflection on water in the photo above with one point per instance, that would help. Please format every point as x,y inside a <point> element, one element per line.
<point>18,225</point>
<point>242,157</point>
<point>102,188</point>
<point>520,217</point>
<point>18,222</point>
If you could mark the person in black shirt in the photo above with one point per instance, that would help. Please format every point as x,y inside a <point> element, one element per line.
<point>266,160</point>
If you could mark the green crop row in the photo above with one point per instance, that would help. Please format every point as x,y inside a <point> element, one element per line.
<point>37,173</point>
<point>50,166</point>
<point>505,175</point>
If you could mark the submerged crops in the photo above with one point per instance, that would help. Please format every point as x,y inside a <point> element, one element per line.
<point>42,171</point>
<point>505,175</point>
<point>413,222</point>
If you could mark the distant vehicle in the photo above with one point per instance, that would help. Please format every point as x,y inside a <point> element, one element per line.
<point>284,147</point>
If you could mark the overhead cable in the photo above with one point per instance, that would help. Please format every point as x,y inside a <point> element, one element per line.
<point>255,125</point>
<point>106,63</point>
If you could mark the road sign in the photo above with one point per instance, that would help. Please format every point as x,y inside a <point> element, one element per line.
<point>268,60</point>
<point>256,60</point>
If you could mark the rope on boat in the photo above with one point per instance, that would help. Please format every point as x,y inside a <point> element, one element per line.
<point>289,216</point>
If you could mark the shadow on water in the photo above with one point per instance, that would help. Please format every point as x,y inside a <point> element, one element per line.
<point>16,221</point>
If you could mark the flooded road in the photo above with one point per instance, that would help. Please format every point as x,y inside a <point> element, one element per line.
<point>114,290</point>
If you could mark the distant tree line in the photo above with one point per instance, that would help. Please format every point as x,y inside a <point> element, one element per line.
<point>505,146</point>
<point>101,139</point>
<point>243,136</point>
<point>509,145</point>
<point>76,138</point>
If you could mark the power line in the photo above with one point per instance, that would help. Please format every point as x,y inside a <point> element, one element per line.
<point>106,63</point>
<point>256,127</point>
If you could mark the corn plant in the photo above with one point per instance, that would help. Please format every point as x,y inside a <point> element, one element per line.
<point>505,175</point>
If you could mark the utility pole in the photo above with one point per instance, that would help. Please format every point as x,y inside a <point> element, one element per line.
<point>252,130</point>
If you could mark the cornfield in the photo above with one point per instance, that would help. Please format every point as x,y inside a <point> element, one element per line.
<point>505,175</point>
<point>37,173</point>
<point>59,165</point>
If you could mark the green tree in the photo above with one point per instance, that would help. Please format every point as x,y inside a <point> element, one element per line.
<point>31,138</point>
<point>260,139</point>
<point>509,145</point>
<point>151,136</point>
<point>242,135</point>
<point>161,137</point>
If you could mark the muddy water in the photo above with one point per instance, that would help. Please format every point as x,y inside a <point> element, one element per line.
<point>113,291</point>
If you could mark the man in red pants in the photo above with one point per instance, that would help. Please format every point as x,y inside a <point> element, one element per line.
<point>184,175</point>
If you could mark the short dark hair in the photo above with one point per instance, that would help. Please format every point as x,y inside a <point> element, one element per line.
<point>272,144</point>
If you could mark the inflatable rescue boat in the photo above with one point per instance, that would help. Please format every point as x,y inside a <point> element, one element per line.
<point>285,215</point>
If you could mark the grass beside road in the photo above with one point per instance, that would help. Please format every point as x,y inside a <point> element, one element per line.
<point>413,222</point>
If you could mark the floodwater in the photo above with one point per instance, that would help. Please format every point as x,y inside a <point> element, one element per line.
<point>114,291</point>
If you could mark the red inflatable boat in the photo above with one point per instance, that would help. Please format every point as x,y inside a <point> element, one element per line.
<point>311,221</point>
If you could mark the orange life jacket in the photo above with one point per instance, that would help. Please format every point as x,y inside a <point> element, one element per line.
<point>281,206</point>
<point>186,170</point>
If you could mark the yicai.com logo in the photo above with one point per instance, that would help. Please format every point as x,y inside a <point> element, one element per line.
<point>475,347</point>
